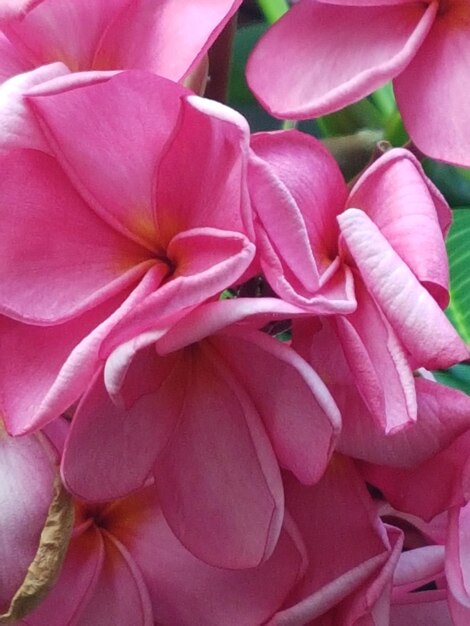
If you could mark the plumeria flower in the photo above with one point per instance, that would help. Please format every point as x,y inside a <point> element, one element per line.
<point>376,253</point>
<point>335,52</point>
<point>140,209</point>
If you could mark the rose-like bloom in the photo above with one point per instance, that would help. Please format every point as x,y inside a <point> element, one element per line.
<point>335,52</point>
<point>136,204</point>
<point>163,36</point>
<point>192,408</point>
<point>377,252</point>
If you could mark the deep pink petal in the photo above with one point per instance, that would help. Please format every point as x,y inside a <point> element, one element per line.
<point>12,62</point>
<point>419,323</point>
<point>217,478</point>
<point>63,30</point>
<point>76,583</point>
<point>436,126</point>
<point>163,37</point>
<point>299,414</point>
<point>200,181</point>
<point>56,264</point>
<point>49,367</point>
<point>128,119</point>
<point>134,431</point>
<point>419,612</point>
<point>26,491</point>
<point>458,555</point>
<point>409,211</point>
<point>334,55</point>
<point>185,590</point>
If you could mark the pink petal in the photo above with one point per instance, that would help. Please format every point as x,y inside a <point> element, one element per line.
<point>299,414</point>
<point>431,487</point>
<point>57,264</point>
<point>135,432</point>
<point>63,30</point>
<point>11,9</point>
<point>128,119</point>
<point>163,37</point>
<point>297,190</point>
<point>418,567</point>
<point>435,127</point>
<point>419,612</point>
<point>19,128</point>
<point>408,209</point>
<point>458,555</point>
<point>55,364</point>
<point>120,595</point>
<point>185,590</point>
<point>374,355</point>
<point>414,315</point>
<point>26,491</point>
<point>200,181</point>
<point>443,415</point>
<point>76,583</point>
<point>334,55</point>
<point>217,478</point>
<point>343,549</point>
<point>12,62</point>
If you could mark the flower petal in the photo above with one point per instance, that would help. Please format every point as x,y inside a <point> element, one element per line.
<point>334,55</point>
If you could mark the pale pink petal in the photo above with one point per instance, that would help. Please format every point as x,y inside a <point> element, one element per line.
<point>299,413</point>
<point>56,364</point>
<point>185,590</point>
<point>217,478</point>
<point>334,55</point>
<point>26,491</point>
<point>18,127</point>
<point>200,181</point>
<point>128,119</point>
<point>11,9</point>
<point>76,583</point>
<point>416,318</point>
<point>375,355</point>
<point>63,30</point>
<point>163,36</point>
<point>429,91</point>
<point>297,190</point>
<point>120,595</point>
<point>134,432</point>
<point>431,487</point>
<point>406,207</point>
<point>418,567</point>
<point>346,542</point>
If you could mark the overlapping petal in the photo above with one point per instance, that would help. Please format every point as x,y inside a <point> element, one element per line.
<point>333,55</point>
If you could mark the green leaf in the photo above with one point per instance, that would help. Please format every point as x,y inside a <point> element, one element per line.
<point>459,262</point>
<point>245,39</point>
<point>453,182</point>
<point>273,9</point>
<point>457,376</point>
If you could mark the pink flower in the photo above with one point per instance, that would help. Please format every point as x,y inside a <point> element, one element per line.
<point>126,566</point>
<point>334,53</point>
<point>192,410</point>
<point>372,259</point>
<point>140,210</point>
<point>156,35</point>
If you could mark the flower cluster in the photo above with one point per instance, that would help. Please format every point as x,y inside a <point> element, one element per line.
<point>215,389</point>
